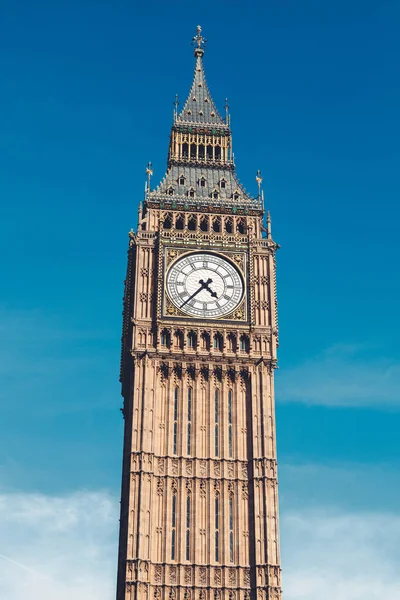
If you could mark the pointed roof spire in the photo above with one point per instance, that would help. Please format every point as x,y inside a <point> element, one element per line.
<point>199,106</point>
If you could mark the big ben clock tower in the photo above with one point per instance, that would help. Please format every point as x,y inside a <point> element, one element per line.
<point>199,503</point>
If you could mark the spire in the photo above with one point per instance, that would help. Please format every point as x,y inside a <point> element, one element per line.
<point>199,106</point>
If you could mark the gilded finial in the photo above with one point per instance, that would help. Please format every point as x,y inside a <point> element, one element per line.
<point>200,42</point>
<point>259,181</point>
<point>149,173</point>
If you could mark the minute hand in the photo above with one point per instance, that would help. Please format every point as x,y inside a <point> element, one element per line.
<point>193,295</point>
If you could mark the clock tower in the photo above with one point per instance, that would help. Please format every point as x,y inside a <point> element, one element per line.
<point>199,501</point>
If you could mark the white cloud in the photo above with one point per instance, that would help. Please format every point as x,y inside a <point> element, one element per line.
<point>342,376</point>
<point>66,547</point>
<point>58,547</point>
<point>330,555</point>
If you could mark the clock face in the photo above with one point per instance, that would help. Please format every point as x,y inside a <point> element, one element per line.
<point>204,285</point>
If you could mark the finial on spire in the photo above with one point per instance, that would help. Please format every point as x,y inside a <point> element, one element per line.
<point>226,111</point>
<point>269,233</point>
<point>176,104</point>
<point>149,173</point>
<point>259,182</point>
<point>200,42</point>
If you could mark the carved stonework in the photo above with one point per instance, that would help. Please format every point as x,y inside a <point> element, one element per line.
<point>158,575</point>
<point>202,576</point>
<point>172,574</point>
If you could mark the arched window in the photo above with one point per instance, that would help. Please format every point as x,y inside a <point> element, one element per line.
<point>175,432</point>
<point>185,150</point>
<point>201,151</point>
<point>217,152</point>
<point>218,341</point>
<point>180,222</point>
<point>187,553</point>
<point>173,523</point>
<point>192,222</point>
<point>229,225</point>
<point>232,342</point>
<point>216,418</point>
<point>205,340</point>
<point>191,339</point>
<point>202,182</point>
<point>209,152</point>
<point>178,339</point>
<point>222,184</point>
<point>182,180</point>
<point>170,191</point>
<point>165,338</point>
<point>231,555</point>
<point>192,150</point>
<point>189,424</point>
<point>230,433</point>
<point>217,519</point>
<point>241,226</point>
<point>217,224</point>
<point>167,221</point>
<point>204,223</point>
<point>244,343</point>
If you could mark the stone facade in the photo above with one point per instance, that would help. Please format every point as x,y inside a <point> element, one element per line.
<point>199,504</point>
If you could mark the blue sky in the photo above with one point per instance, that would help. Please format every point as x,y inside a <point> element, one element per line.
<point>86,100</point>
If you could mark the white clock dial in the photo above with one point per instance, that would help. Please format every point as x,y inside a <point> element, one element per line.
<point>204,285</point>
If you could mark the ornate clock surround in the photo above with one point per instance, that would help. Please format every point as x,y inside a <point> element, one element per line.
<point>238,258</point>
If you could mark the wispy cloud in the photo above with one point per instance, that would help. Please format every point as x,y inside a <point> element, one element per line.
<point>65,547</point>
<point>342,376</point>
<point>341,555</point>
<point>58,547</point>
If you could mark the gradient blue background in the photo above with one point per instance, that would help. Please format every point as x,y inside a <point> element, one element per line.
<point>86,100</point>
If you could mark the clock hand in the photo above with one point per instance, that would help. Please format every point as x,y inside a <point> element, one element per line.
<point>213,294</point>
<point>202,286</point>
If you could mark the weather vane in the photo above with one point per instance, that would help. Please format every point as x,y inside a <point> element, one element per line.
<point>199,41</point>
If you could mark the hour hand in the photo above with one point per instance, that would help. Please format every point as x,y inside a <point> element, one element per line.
<point>213,294</point>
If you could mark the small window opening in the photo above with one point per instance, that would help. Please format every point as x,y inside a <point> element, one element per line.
<point>217,225</point>
<point>204,224</point>
<point>192,223</point>
<point>202,182</point>
<point>181,180</point>
<point>241,227</point>
<point>228,226</point>
<point>170,191</point>
<point>167,222</point>
<point>180,222</point>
